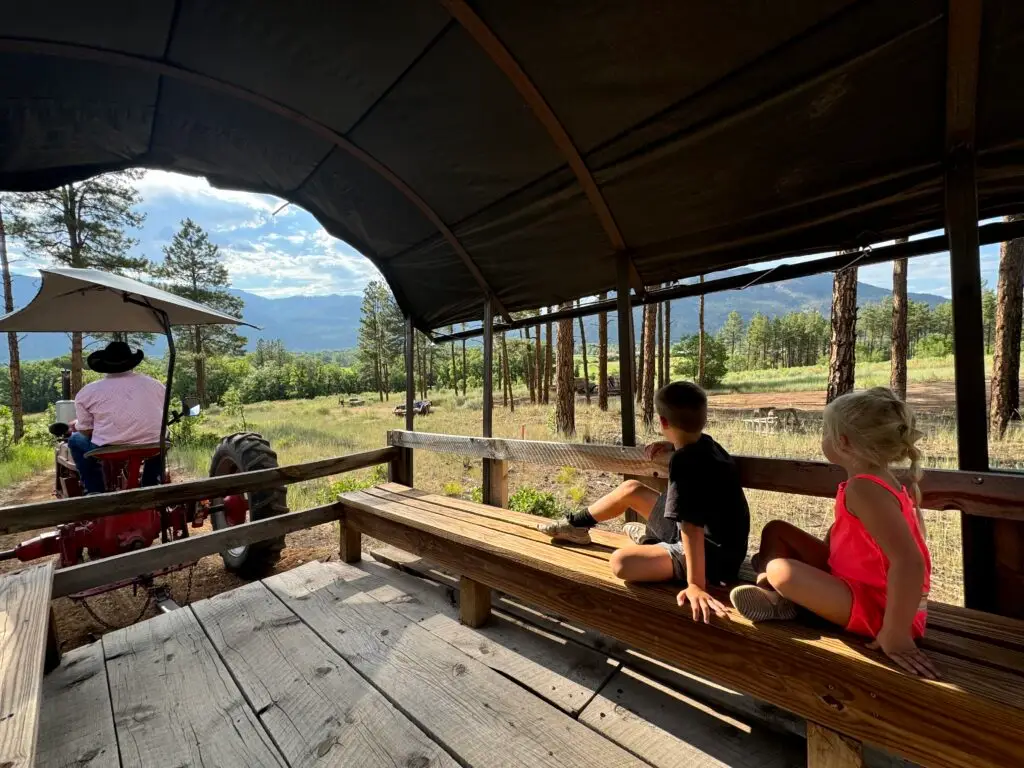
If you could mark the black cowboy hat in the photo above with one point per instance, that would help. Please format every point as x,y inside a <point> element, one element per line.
<point>117,357</point>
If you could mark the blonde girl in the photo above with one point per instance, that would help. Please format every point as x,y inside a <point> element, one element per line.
<point>872,573</point>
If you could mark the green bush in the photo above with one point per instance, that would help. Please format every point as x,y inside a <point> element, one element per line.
<point>452,489</point>
<point>535,502</point>
<point>328,494</point>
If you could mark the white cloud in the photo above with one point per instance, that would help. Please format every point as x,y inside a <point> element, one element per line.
<point>155,184</point>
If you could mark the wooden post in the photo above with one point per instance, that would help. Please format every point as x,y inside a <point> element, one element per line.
<point>400,469</point>
<point>474,602</point>
<point>497,482</point>
<point>488,396</point>
<point>351,543</point>
<point>993,567</point>
<point>828,749</point>
<point>626,398</point>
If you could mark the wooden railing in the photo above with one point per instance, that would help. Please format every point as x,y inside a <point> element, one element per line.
<point>110,570</point>
<point>986,494</point>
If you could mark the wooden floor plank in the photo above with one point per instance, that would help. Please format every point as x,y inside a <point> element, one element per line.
<point>76,727</point>
<point>723,699</point>
<point>466,707</point>
<point>786,663</point>
<point>670,730</point>
<point>175,703</point>
<point>563,673</point>
<point>24,614</point>
<point>317,709</point>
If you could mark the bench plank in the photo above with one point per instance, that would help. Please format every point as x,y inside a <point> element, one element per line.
<point>438,505</point>
<point>318,710</point>
<point>602,538</point>
<point>76,728</point>
<point>787,664</point>
<point>24,614</point>
<point>564,673</point>
<point>465,706</point>
<point>172,695</point>
<point>670,730</point>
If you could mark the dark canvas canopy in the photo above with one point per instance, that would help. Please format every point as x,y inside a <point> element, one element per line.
<point>516,146</point>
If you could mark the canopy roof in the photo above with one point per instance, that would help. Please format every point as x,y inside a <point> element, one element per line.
<point>91,301</point>
<point>514,148</point>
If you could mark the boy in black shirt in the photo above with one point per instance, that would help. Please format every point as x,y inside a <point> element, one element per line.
<point>698,531</point>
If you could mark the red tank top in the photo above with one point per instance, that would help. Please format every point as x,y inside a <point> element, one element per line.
<point>855,556</point>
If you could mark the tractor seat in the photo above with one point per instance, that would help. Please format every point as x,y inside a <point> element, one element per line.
<point>115,452</point>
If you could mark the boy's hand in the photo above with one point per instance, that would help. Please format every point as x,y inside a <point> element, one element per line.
<point>700,603</point>
<point>660,448</point>
<point>904,651</point>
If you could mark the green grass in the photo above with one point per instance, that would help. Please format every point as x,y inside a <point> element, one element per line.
<point>815,377</point>
<point>24,462</point>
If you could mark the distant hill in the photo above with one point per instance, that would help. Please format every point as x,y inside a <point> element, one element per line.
<point>314,323</point>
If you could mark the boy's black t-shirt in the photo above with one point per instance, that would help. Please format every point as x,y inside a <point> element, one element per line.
<point>704,489</point>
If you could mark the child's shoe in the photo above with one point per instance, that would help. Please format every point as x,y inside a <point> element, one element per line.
<point>759,604</point>
<point>563,530</point>
<point>637,532</point>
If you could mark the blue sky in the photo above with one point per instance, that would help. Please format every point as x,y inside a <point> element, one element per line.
<point>290,254</point>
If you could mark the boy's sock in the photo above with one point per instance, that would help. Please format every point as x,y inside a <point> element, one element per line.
<point>581,519</point>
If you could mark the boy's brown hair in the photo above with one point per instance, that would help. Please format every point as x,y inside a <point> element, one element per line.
<point>683,405</point>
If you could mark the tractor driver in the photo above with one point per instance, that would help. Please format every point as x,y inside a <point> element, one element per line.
<point>123,408</point>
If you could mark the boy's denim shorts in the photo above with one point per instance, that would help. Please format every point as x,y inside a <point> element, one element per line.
<point>678,559</point>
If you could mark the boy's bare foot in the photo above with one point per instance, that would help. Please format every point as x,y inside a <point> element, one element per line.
<point>637,532</point>
<point>563,530</point>
<point>759,604</point>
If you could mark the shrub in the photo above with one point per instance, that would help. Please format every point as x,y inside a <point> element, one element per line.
<point>328,494</point>
<point>452,489</point>
<point>566,476</point>
<point>534,502</point>
<point>577,493</point>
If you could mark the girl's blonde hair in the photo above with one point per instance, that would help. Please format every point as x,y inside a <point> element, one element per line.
<point>881,430</point>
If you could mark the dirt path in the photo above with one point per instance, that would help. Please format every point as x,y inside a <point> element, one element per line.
<point>930,396</point>
<point>81,622</point>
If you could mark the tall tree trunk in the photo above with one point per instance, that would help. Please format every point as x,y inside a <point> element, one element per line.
<point>502,384</point>
<point>76,362</point>
<point>1006,365</point>
<point>640,371</point>
<point>14,356</point>
<point>508,375</point>
<point>647,396</point>
<point>701,345</point>
<point>668,340</point>
<point>547,366</point>
<point>565,388</point>
<point>528,366</point>
<point>602,357</point>
<point>660,344</point>
<point>586,370</point>
<point>200,368</point>
<point>898,353</point>
<point>843,349</point>
<point>538,368</point>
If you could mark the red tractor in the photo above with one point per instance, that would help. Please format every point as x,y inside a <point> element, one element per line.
<point>95,302</point>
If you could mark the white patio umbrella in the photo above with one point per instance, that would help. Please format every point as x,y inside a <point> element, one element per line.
<point>91,301</point>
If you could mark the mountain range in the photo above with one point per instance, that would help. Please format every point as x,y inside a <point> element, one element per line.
<point>315,323</point>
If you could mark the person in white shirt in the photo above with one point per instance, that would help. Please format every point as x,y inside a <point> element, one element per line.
<point>123,408</point>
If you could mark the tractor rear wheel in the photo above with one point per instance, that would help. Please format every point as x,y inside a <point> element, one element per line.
<point>245,452</point>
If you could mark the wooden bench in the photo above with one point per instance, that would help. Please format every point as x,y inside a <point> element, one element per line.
<point>813,671</point>
<point>24,625</point>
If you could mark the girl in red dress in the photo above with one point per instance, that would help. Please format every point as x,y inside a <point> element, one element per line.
<point>872,572</point>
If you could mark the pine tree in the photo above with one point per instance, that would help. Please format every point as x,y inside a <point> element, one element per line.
<point>192,269</point>
<point>586,371</point>
<point>82,224</point>
<point>898,347</point>
<point>1006,363</point>
<point>565,384</point>
<point>701,352</point>
<point>842,356</point>
<point>647,375</point>
<point>381,336</point>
